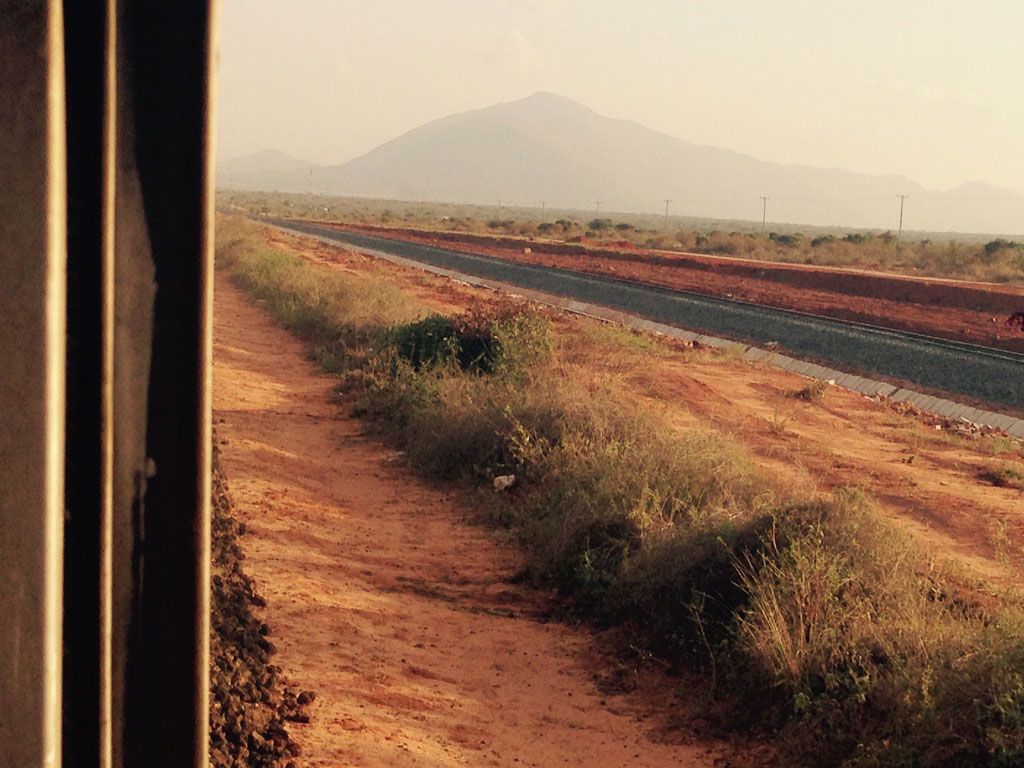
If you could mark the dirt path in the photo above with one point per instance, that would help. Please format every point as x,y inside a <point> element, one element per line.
<point>397,614</point>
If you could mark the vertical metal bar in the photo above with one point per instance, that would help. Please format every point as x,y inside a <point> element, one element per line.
<point>55,350</point>
<point>90,100</point>
<point>139,196</point>
<point>108,240</point>
<point>168,78</point>
<point>105,697</point>
<point>205,479</point>
<point>32,342</point>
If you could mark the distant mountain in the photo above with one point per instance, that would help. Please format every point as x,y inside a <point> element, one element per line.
<point>550,148</point>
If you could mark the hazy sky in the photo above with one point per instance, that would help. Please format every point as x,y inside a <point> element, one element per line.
<point>932,89</point>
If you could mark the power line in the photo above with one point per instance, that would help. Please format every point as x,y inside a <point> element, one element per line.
<point>857,198</point>
<point>1013,199</point>
<point>927,206</point>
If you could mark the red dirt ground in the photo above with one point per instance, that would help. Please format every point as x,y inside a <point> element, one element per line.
<point>402,617</point>
<point>962,311</point>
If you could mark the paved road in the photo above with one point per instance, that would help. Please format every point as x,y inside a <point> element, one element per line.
<point>992,375</point>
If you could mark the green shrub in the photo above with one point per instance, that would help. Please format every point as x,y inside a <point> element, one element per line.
<point>426,342</point>
<point>1004,474</point>
<point>999,244</point>
<point>794,238</point>
<point>508,341</point>
<point>1000,444</point>
<point>522,341</point>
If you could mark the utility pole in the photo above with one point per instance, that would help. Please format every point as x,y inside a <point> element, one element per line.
<point>597,207</point>
<point>764,213</point>
<point>666,214</point>
<point>499,206</point>
<point>543,211</point>
<point>899,236</point>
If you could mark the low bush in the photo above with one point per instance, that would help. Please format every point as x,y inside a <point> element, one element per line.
<point>427,341</point>
<point>880,661</point>
<point>507,340</point>
<point>1004,474</point>
<point>1000,444</point>
<point>814,392</point>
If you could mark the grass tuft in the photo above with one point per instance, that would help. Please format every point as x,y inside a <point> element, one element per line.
<point>1004,474</point>
<point>814,392</point>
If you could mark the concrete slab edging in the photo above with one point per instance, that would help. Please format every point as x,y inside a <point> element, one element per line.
<point>865,386</point>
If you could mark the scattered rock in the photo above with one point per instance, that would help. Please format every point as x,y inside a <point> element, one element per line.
<point>960,426</point>
<point>504,482</point>
<point>248,702</point>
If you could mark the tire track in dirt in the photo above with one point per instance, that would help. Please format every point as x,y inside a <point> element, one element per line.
<point>400,616</point>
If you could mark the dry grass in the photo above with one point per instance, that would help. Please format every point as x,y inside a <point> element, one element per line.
<point>814,392</point>
<point>998,260</point>
<point>1004,474</point>
<point>812,615</point>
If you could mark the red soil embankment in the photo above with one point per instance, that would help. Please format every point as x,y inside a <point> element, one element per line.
<point>962,311</point>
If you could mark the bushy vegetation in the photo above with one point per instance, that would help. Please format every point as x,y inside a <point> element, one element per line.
<point>485,340</point>
<point>812,617</point>
<point>1005,474</point>
<point>965,257</point>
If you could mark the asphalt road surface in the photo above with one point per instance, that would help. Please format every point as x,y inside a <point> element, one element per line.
<point>992,375</point>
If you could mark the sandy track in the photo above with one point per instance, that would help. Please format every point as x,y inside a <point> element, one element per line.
<point>397,614</point>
